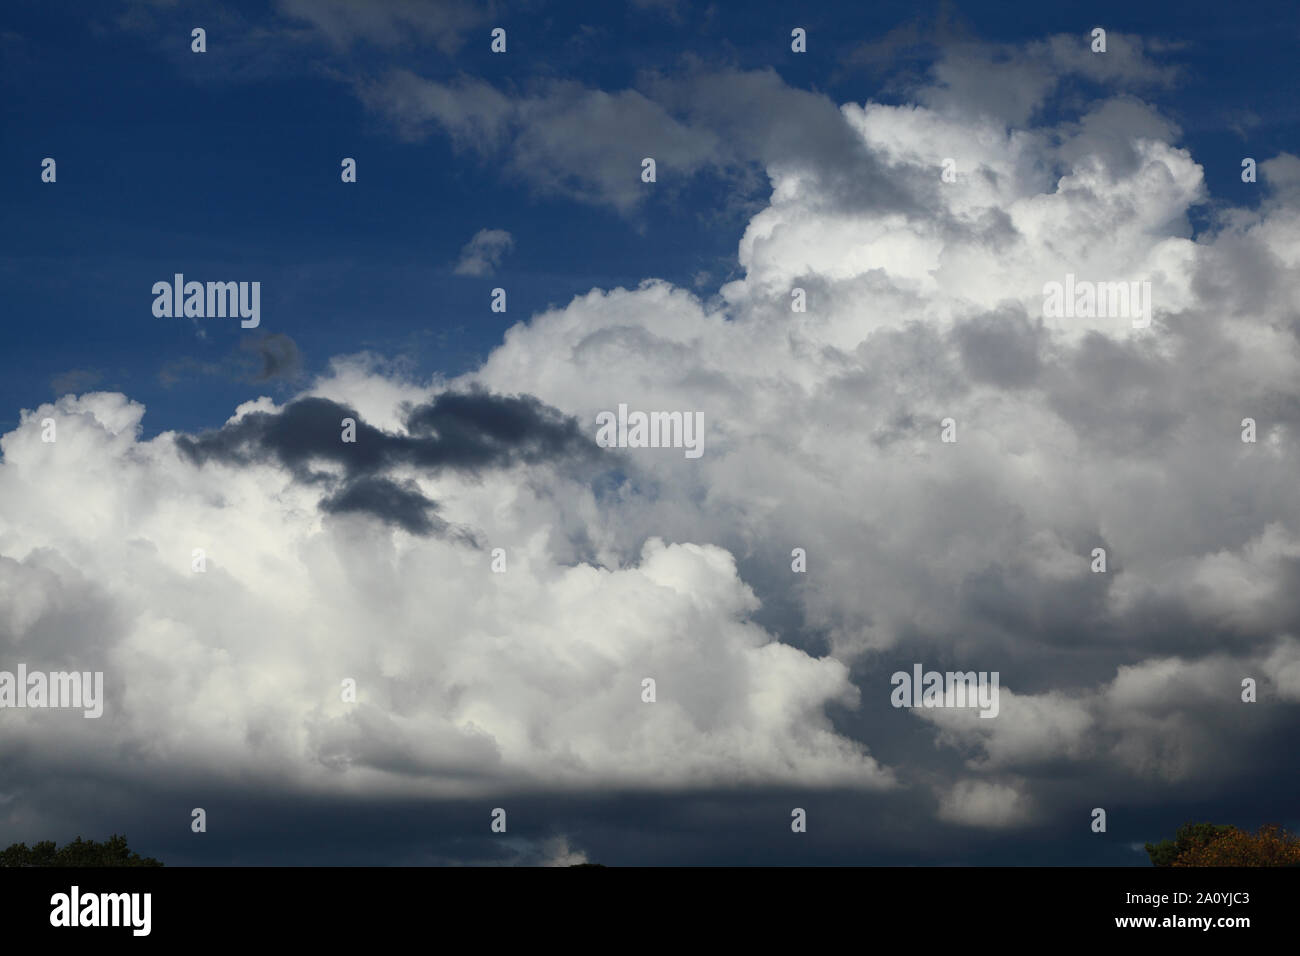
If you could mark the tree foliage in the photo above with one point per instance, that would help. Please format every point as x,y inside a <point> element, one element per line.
<point>1208,844</point>
<point>1189,837</point>
<point>1271,846</point>
<point>112,852</point>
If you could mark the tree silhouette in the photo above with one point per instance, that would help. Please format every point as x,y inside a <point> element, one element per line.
<point>112,852</point>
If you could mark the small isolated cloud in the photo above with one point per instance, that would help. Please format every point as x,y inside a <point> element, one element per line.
<point>979,803</point>
<point>273,356</point>
<point>483,253</point>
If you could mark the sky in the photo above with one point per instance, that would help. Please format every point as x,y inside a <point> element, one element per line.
<point>496,582</point>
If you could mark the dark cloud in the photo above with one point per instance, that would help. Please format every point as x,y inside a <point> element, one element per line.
<point>310,428</point>
<point>399,504</point>
<point>480,430</point>
<point>467,431</point>
<point>741,826</point>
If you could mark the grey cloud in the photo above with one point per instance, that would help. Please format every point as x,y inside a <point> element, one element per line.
<point>1012,82</point>
<point>400,504</point>
<point>469,431</point>
<point>482,254</point>
<point>390,23</point>
<point>1108,133</point>
<point>1117,396</point>
<point>473,113</point>
<point>277,357</point>
<point>588,144</point>
<point>1002,348</point>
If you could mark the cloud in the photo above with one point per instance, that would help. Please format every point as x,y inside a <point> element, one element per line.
<point>925,302</point>
<point>564,139</point>
<point>271,357</point>
<point>401,504</point>
<point>468,679</point>
<point>979,803</point>
<point>483,253</point>
<point>321,441</point>
<point>471,430</point>
<point>390,23</point>
<point>1012,82</point>
<point>558,853</point>
<point>278,357</point>
<point>585,144</point>
<point>1071,435</point>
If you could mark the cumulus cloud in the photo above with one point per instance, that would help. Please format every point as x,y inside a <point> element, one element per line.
<point>466,678</point>
<point>925,302</point>
<point>1072,434</point>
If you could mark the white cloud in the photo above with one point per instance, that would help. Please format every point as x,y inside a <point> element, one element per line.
<point>823,427</point>
<point>1028,729</point>
<point>981,803</point>
<point>465,678</point>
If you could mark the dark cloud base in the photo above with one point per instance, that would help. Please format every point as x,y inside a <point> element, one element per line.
<point>740,827</point>
<point>469,432</point>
